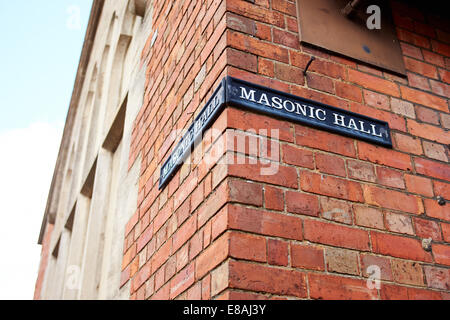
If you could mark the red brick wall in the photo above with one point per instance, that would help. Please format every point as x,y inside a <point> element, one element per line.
<point>335,206</point>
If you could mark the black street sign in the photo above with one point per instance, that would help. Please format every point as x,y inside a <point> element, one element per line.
<point>249,96</point>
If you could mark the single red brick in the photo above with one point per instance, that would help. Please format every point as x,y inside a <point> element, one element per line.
<point>419,82</point>
<point>427,115</point>
<point>368,217</point>
<point>336,210</point>
<point>441,253</point>
<point>348,91</point>
<point>432,169</point>
<point>240,167</point>
<point>298,157</point>
<point>407,272</point>
<point>342,261</point>
<point>307,257</point>
<point>288,73</point>
<point>286,38</point>
<point>274,198</point>
<point>266,67</point>
<point>446,231</point>
<point>424,98</point>
<point>331,186</point>
<point>254,277</point>
<point>247,246</point>
<point>377,100</point>
<point>407,144</point>
<point>277,252</point>
<point>302,203</point>
<point>438,278</point>
<point>336,235</point>
<point>442,189</point>
<point>266,223</point>
<point>390,178</point>
<point>339,288</point>
<point>420,67</point>
<point>215,254</point>
<point>435,151</point>
<point>245,192</point>
<point>384,156</point>
<point>381,262</point>
<point>413,38</point>
<point>394,200</point>
<point>428,132</point>
<point>399,246</point>
<point>361,170</point>
<point>330,164</point>
<point>411,51</point>
<point>373,83</point>
<point>433,58</point>
<point>253,45</point>
<point>427,229</point>
<point>320,83</point>
<point>400,223</point>
<point>242,60</point>
<point>183,280</point>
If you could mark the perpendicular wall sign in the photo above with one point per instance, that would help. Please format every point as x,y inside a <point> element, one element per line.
<point>260,99</point>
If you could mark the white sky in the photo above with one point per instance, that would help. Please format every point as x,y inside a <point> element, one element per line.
<point>26,169</point>
<point>38,63</point>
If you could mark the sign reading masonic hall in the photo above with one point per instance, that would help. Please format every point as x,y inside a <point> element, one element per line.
<point>245,95</point>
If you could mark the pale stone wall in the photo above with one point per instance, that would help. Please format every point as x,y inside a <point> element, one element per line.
<point>90,248</point>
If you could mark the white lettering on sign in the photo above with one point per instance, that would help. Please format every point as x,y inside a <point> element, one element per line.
<point>308,111</point>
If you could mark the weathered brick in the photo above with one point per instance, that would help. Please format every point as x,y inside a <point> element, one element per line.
<point>420,67</point>
<point>419,185</point>
<point>320,83</point>
<point>427,229</point>
<point>424,98</point>
<point>383,263</point>
<point>438,278</point>
<point>339,288</point>
<point>342,261</point>
<point>390,178</point>
<point>368,217</point>
<point>394,200</point>
<point>331,186</point>
<point>348,91</point>
<point>312,138</point>
<point>428,132</point>
<point>435,151</point>
<point>330,164</point>
<point>298,157</point>
<point>403,108</point>
<point>407,144</point>
<point>384,156</point>
<point>407,272</point>
<point>267,279</point>
<point>399,246</point>
<point>441,253</point>
<point>274,198</point>
<point>336,235</point>
<point>245,192</point>
<point>399,223</point>
<point>307,257</point>
<point>266,223</point>
<point>302,203</point>
<point>247,246</point>
<point>336,210</point>
<point>373,83</point>
<point>432,168</point>
<point>361,171</point>
<point>377,100</point>
<point>277,252</point>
